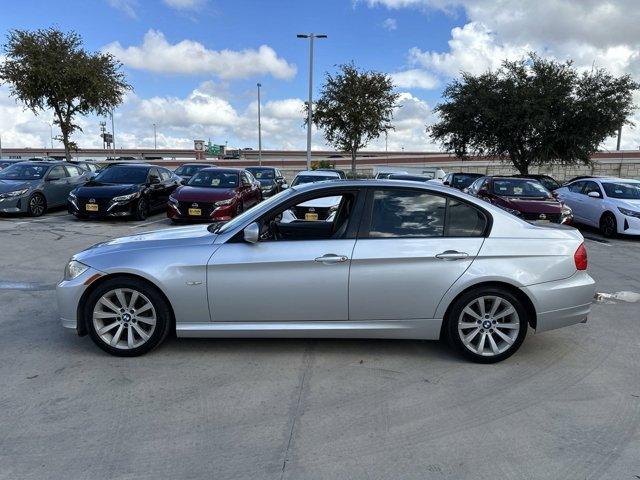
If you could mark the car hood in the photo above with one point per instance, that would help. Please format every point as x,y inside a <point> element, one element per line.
<point>203,194</point>
<point>13,185</point>
<point>169,238</point>
<point>324,202</point>
<point>531,205</point>
<point>630,204</point>
<point>104,190</point>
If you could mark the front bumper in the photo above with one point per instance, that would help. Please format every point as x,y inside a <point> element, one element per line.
<point>69,293</point>
<point>562,302</point>
<point>14,204</point>
<point>105,209</point>
<point>219,214</point>
<point>628,225</point>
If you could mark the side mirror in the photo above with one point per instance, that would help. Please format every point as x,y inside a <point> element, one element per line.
<point>154,180</point>
<point>52,179</point>
<point>594,194</point>
<point>251,233</point>
<point>183,181</point>
<point>446,182</point>
<point>483,191</point>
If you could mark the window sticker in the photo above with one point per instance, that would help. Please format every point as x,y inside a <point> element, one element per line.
<point>215,182</point>
<point>518,190</point>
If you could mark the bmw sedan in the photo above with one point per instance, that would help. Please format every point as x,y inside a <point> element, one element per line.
<point>610,204</point>
<point>124,190</point>
<point>399,260</point>
<point>34,187</point>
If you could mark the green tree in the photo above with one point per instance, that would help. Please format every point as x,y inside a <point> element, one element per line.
<point>533,111</point>
<point>354,108</point>
<point>49,69</point>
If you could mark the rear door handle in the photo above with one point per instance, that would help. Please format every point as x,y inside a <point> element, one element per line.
<point>452,255</point>
<point>331,258</point>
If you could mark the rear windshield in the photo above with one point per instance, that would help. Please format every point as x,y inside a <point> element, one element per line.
<point>214,179</point>
<point>123,174</point>
<point>189,170</point>
<point>463,180</point>
<point>626,191</point>
<point>262,173</point>
<point>300,179</point>
<point>23,171</point>
<point>515,187</point>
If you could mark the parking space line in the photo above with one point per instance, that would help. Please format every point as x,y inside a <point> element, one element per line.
<point>148,223</point>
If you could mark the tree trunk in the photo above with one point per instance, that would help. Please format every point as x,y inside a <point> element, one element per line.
<point>353,162</point>
<point>65,142</point>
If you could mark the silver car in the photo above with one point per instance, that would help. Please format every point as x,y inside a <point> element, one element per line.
<point>33,187</point>
<point>399,260</point>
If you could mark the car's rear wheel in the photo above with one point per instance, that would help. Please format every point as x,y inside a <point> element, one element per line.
<point>608,225</point>
<point>142,209</point>
<point>487,325</point>
<point>36,205</point>
<point>127,317</point>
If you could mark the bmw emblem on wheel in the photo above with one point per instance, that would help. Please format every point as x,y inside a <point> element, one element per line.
<point>194,205</point>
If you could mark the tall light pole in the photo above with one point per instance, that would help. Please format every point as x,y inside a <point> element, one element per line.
<point>113,135</point>
<point>311,37</point>
<point>259,128</point>
<point>155,140</point>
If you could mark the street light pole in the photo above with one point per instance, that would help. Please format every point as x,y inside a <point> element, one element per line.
<point>259,129</point>
<point>113,135</point>
<point>311,37</point>
<point>155,140</point>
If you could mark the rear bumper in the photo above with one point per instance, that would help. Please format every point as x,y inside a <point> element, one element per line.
<point>562,302</point>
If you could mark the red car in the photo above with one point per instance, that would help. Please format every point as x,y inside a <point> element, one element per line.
<point>526,198</point>
<point>214,194</point>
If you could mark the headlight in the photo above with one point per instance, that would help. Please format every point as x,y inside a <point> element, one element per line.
<point>224,202</point>
<point>510,210</point>
<point>125,198</point>
<point>629,213</point>
<point>173,201</point>
<point>74,269</point>
<point>566,213</point>
<point>72,196</point>
<point>15,193</point>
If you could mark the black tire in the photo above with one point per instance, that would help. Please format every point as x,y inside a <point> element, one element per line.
<point>164,317</point>
<point>608,225</point>
<point>36,205</point>
<point>142,209</point>
<point>453,334</point>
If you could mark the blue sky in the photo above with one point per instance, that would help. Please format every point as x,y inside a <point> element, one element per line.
<point>423,44</point>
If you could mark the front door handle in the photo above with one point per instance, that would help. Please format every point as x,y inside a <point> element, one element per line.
<point>452,255</point>
<point>331,258</point>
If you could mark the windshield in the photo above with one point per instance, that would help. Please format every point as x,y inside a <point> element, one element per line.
<point>189,170</point>
<point>625,191</point>
<point>240,219</point>
<point>123,174</point>
<point>549,183</point>
<point>214,179</point>
<point>262,173</point>
<point>300,179</point>
<point>23,171</point>
<point>463,180</point>
<point>515,187</point>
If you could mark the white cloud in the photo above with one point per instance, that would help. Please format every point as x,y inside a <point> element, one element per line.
<point>472,48</point>
<point>128,7</point>
<point>390,24</point>
<point>185,4</point>
<point>156,54</point>
<point>414,78</point>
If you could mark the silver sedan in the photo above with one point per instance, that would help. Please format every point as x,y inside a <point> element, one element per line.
<point>393,260</point>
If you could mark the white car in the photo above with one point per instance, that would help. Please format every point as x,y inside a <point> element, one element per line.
<point>320,209</point>
<point>611,204</point>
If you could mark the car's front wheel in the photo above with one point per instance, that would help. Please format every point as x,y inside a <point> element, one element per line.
<point>608,225</point>
<point>36,205</point>
<point>487,325</point>
<point>142,209</point>
<point>127,317</point>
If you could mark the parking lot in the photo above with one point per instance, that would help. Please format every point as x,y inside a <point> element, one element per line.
<point>566,406</point>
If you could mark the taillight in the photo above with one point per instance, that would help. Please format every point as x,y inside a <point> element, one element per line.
<point>580,257</point>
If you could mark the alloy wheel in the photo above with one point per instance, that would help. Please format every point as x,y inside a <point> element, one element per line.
<point>124,318</point>
<point>609,226</point>
<point>36,205</point>
<point>488,325</point>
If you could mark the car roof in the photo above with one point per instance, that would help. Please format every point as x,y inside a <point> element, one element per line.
<point>259,166</point>
<point>372,183</point>
<point>196,165</point>
<point>222,169</point>
<point>616,180</point>
<point>468,173</point>
<point>134,165</point>
<point>316,173</point>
